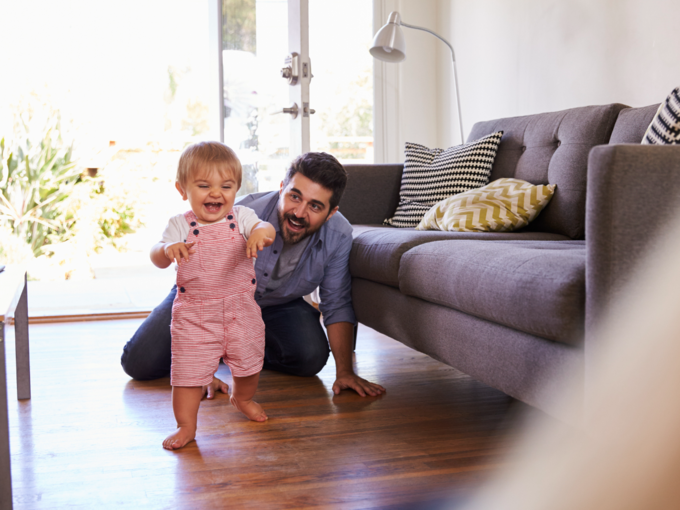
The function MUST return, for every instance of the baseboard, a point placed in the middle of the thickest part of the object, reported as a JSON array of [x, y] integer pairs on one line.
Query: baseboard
[[106, 316]]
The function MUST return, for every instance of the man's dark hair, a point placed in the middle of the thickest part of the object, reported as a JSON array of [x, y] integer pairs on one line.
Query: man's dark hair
[[323, 169]]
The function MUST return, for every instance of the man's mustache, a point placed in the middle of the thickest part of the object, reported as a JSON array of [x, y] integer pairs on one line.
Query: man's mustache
[[291, 216]]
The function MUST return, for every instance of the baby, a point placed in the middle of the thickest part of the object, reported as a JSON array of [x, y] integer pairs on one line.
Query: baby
[[214, 314]]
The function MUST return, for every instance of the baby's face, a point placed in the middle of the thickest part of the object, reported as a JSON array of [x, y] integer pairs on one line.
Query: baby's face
[[210, 193]]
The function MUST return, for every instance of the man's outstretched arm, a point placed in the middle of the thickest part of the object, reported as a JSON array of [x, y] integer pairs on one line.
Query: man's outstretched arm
[[341, 339], [338, 315]]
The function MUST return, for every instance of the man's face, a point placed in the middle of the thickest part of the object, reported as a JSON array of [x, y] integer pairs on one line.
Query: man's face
[[304, 206]]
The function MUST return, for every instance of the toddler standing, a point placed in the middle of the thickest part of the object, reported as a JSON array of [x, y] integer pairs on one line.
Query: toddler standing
[[214, 314]]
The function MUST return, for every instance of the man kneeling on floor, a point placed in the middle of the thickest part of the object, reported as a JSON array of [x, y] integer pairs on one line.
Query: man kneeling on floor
[[311, 249]]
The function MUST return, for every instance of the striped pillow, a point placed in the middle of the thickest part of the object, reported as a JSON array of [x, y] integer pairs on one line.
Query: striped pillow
[[502, 206], [431, 175], [665, 127]]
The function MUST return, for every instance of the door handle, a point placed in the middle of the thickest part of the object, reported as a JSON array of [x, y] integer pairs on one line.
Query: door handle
[[293, 110], [291, 72], [306, 110]]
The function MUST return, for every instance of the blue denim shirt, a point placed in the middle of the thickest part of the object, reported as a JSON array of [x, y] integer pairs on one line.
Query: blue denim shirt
[[323, 264]]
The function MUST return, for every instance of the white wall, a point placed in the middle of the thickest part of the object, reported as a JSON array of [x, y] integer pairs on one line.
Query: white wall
[[518, 57], [407, 103]]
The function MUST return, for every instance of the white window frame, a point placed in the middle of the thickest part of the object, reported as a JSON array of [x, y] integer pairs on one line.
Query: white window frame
[[386, 103]]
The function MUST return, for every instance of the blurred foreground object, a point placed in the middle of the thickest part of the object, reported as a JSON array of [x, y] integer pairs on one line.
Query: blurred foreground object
[[627, 456]]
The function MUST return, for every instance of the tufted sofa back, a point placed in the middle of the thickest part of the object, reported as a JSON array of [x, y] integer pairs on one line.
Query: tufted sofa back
[[552, 148]]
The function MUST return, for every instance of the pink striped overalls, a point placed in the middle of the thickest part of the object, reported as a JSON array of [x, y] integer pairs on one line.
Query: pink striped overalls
[[214, 314]]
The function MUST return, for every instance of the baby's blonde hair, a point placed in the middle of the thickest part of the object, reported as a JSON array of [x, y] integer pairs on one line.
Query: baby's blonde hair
[[211, 156]]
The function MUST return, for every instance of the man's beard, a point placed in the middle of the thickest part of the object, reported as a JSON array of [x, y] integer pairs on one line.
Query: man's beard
[[288, 236]]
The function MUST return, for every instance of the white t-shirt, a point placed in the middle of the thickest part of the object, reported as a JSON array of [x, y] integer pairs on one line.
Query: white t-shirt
[[178, 228]]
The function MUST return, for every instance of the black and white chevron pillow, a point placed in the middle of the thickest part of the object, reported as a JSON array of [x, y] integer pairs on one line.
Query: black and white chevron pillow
[[431, 175], [665, 127]]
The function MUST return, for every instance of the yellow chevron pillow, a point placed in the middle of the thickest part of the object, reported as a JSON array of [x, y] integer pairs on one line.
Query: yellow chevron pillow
[[501, 206]]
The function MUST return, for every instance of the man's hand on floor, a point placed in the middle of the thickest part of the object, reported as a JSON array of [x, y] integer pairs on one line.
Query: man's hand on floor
[[216, 385], [360, 385]]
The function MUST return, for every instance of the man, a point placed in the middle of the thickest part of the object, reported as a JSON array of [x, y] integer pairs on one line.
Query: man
[[311, 249]]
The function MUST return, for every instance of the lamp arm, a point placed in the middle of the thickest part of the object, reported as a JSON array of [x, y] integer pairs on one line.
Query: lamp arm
[[453, 55], [455, 72]]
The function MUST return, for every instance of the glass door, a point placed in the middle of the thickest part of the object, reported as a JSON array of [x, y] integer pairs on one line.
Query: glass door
[[277, 102], [254, 44], [113, 92], [340, 34]]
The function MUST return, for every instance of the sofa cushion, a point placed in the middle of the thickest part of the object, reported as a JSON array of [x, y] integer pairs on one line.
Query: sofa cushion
[[377, 251], [632, 123], [552, 148], [532, 286], [665, 127], [504, 205], [431, 175], [372, 192]]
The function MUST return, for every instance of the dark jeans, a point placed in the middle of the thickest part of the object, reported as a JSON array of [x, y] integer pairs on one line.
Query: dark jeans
[[295, 342]]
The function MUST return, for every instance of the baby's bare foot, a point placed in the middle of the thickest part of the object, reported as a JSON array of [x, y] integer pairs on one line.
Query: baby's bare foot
[[250, 409], [181, 437]]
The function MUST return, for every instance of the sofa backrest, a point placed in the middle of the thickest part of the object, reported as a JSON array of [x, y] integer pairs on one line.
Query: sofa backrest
[[552, 148], [372, 192], [632, 123]]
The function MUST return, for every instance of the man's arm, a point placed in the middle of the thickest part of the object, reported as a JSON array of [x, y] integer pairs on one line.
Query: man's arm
[[336, 307], [341, 338]]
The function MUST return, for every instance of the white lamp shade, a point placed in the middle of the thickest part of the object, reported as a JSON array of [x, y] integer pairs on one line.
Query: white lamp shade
[[388, 43]]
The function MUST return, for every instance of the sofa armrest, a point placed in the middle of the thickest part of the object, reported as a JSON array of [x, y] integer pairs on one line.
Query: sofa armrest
[[372, 193], [633, 193]]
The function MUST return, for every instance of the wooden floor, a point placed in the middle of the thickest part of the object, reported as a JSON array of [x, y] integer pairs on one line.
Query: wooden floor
[[91, 438]]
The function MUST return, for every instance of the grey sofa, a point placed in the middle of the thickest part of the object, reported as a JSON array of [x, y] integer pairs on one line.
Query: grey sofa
[[514, 310]]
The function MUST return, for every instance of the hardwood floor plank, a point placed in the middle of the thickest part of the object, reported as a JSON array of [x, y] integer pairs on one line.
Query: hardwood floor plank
[[91, 438]]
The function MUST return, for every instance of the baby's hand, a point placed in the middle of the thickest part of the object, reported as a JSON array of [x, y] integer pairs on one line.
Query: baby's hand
[[177, 252], [257, 241]]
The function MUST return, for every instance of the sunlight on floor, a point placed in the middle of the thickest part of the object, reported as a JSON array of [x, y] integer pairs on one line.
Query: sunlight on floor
[[90, 436]]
